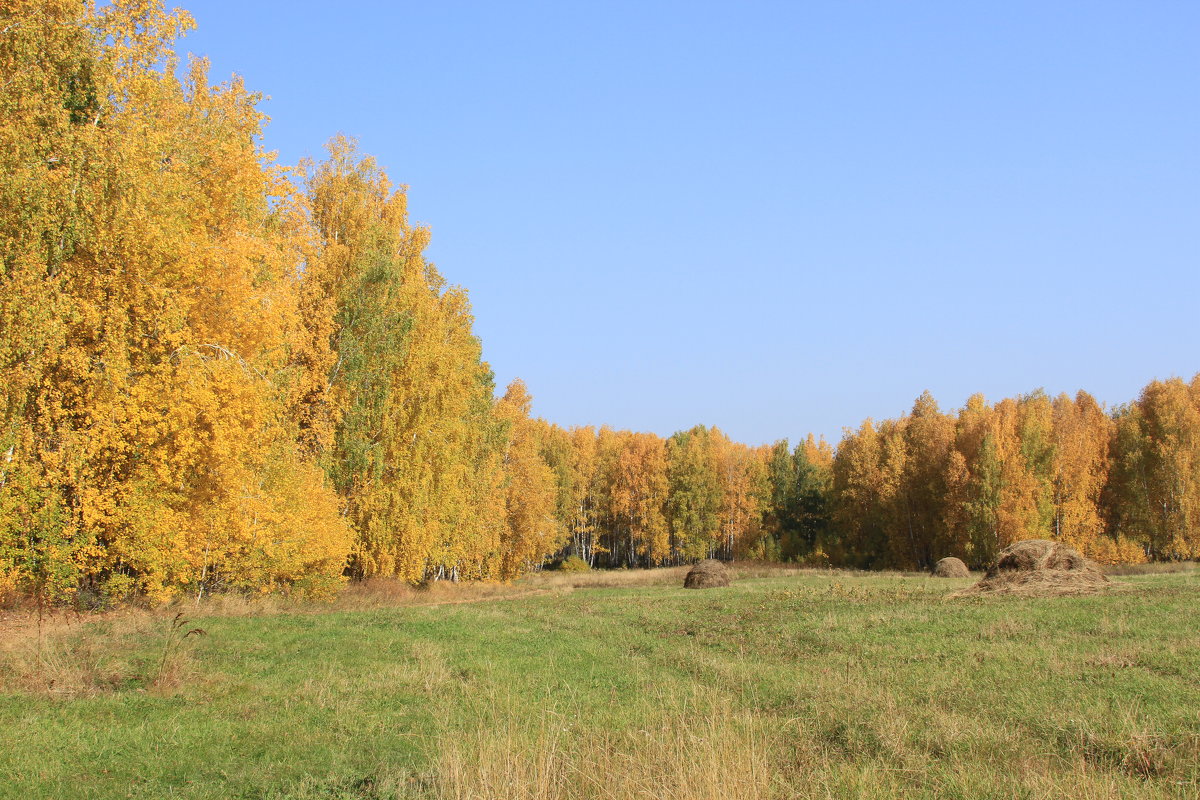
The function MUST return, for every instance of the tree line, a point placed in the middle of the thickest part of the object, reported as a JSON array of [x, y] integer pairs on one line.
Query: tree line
[[218, 372], [1120, 486]]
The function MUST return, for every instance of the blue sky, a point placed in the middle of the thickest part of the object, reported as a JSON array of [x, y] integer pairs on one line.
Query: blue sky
[[772, 217]]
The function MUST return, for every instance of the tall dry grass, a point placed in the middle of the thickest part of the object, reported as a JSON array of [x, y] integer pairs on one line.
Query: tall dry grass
[[387, 592], [704, 755], [74, 655]]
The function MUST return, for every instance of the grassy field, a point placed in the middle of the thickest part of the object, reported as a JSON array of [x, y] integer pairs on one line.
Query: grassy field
[[788, 684]]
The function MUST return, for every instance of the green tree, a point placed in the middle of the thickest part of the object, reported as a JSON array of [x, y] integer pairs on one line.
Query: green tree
[[417, 455], [807, 511], [694, 493], [1154, 492]]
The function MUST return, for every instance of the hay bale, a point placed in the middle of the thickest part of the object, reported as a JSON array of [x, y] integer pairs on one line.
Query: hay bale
[[951, 567], [708, 574], [1040, 567]]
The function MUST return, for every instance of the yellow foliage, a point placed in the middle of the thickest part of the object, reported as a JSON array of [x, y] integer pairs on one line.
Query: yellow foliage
[[1082, 432], [157, 296], [1107, 550], [533, 533], [417, 452], [639, 496]]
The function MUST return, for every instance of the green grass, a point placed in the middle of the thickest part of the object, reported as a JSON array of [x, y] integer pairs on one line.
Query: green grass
[[810, 685]]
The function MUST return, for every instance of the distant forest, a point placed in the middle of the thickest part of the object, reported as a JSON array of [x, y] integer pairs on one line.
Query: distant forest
[[218, 372]]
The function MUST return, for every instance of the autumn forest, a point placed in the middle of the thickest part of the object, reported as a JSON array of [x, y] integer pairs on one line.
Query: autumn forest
[[222, 373]]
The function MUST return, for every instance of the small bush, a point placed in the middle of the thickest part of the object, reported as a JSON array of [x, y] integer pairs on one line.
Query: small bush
[[574, 564]]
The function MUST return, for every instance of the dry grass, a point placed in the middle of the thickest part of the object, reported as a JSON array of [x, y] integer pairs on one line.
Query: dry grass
[[605, 579], [667, 576], [1044, 583], [387, 593], [1157, 568], [1040, 568], [767, 569], [83, 655], [712, 751], [364, 595], [702, 755]]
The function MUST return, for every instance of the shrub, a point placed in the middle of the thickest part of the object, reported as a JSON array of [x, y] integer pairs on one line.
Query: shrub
[[574, 564]]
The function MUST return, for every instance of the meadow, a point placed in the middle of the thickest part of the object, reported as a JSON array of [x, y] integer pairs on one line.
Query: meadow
[[789, 683]]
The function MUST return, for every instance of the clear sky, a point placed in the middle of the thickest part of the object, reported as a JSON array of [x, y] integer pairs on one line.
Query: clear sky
[[772, 217]]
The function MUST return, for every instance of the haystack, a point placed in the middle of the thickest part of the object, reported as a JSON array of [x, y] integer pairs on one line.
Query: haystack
[[951, 568], [1040, 567], [708, 574]]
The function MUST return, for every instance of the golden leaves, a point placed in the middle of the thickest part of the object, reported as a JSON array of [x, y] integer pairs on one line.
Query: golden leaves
[[168, 305]]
